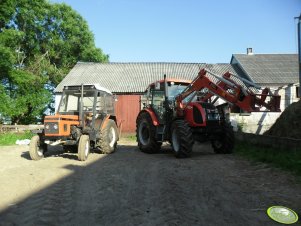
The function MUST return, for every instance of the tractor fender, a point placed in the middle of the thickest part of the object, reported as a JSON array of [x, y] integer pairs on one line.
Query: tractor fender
[[152, 115], [104, 122]]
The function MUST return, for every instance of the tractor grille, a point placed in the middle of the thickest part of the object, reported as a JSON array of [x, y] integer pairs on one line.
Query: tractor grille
[[51, 128]]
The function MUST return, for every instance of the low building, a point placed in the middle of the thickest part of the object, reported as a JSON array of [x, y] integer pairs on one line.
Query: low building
[[279, 72]]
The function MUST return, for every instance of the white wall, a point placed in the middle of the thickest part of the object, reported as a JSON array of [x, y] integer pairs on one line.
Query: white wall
[[259, 122]]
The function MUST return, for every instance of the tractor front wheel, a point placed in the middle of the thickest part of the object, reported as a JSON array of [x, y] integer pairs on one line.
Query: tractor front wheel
[[83, 147], [37, 148], [181, 139], [146, 134], [224, 143]]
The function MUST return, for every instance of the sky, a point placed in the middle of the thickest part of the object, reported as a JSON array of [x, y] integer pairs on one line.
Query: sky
[[192, 31]]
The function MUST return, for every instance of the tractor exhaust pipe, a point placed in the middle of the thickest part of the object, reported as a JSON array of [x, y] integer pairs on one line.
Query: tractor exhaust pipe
[[81, 115], [166, 105], [165, 86]]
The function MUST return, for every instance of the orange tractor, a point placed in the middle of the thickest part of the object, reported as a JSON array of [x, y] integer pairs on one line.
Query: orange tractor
[[182, 112], [85, 119]]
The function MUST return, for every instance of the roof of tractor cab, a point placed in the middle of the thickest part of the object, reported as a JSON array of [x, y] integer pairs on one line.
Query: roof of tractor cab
[[93, 86], [173, 80]]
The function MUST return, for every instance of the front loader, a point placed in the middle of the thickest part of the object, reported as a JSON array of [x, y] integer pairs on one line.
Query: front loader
[[182, 112], [85, 119]]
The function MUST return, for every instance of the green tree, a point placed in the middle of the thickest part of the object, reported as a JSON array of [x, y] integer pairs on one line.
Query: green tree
[[39, 43]]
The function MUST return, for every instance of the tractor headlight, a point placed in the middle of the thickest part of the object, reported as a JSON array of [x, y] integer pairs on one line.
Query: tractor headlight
[[55, 126]]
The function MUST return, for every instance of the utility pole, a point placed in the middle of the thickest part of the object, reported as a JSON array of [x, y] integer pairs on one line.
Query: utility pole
[[299, 52]]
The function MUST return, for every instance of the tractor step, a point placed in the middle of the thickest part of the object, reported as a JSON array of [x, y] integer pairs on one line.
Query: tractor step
[[160, 132]]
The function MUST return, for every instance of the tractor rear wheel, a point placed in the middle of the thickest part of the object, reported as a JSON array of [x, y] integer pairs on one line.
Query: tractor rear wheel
[[108, 138], [224, 143], [181, 139], [146, 134], [37, 148], [83, 147]]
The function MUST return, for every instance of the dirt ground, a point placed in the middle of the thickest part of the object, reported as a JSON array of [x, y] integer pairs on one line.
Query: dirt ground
[[133, 188]]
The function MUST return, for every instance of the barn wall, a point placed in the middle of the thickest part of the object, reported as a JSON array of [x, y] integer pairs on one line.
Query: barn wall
[[127, 108]]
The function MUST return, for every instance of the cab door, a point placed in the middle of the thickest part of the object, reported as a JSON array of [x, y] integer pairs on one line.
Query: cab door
[[157, 103]]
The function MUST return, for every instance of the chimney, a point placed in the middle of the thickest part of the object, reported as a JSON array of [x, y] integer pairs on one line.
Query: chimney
[[249, 51]]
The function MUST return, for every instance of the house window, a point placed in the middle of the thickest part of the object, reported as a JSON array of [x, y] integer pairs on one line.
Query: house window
[[297, 91]]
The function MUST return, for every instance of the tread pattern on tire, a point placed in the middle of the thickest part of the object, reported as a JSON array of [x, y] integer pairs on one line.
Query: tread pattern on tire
[[82, 147], [227, 139], [34, 147], [153, 146], [186, 141], [104, 141]]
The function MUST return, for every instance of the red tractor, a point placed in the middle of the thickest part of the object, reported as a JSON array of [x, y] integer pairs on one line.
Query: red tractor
[[181, 111]]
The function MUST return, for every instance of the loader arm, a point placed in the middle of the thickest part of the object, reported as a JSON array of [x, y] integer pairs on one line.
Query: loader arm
[[228, 88]]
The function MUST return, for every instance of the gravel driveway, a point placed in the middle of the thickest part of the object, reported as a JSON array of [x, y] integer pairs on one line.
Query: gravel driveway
[[133, 188]]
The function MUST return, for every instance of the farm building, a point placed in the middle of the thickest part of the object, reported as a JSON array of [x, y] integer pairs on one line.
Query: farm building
[[128, 81], [279, 72]]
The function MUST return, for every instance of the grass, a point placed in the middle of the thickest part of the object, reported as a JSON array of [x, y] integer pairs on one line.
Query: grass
[[11, 138], [129, 137], [284, 159]]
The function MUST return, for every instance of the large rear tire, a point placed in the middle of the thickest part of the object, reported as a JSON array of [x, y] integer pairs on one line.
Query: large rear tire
[[224, 143], [108, 138], [36, 148], [83, 147], [181, 139], [146, 134]]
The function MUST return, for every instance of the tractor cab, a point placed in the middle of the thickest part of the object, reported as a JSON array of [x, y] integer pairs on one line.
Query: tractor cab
[[90, 103], [161, 97]]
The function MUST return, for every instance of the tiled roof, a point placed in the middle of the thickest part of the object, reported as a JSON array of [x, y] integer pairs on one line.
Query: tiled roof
[[269, 68], [135, 77]]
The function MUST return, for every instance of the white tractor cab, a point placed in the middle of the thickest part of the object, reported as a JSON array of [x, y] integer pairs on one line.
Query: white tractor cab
[[85, 119]]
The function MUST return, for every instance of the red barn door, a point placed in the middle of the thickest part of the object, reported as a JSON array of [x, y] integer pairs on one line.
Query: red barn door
[[127, 108]]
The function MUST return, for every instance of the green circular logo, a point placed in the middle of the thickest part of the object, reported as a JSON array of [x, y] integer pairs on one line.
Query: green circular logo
[[282, 214]]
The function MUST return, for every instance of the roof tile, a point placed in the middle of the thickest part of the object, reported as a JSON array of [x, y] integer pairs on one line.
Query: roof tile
[[270, 68]]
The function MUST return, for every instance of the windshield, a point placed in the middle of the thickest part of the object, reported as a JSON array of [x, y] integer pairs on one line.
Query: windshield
[[71, 99], [175, 90]]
